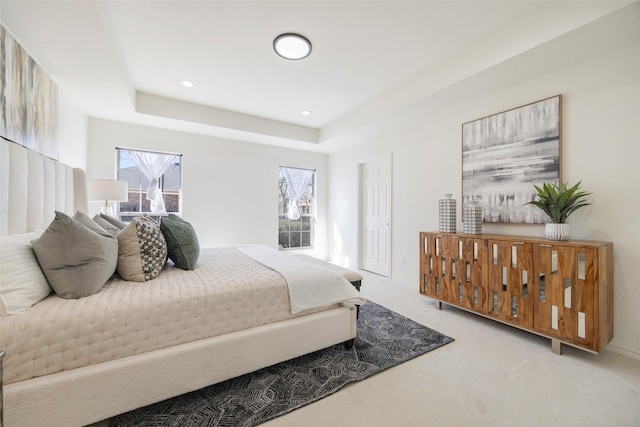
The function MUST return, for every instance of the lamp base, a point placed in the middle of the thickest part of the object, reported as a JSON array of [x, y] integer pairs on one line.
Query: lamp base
[[106, 210]]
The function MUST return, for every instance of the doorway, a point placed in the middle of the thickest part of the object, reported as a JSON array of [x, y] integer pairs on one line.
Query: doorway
[[375, 214]]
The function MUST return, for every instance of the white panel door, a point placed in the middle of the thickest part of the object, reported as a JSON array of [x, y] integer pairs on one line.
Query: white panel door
[[376, 212]]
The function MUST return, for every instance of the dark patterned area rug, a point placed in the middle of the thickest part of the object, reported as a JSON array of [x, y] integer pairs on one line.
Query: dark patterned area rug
[[385, 339]]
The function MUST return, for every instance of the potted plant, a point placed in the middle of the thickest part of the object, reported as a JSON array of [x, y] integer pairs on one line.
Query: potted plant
[[559, 201]]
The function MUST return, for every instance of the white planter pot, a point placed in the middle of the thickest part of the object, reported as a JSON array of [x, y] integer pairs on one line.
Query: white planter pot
[[553, 231]]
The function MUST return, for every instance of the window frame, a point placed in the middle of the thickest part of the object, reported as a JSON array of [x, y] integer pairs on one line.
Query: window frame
[[310, 213], [140, 192]]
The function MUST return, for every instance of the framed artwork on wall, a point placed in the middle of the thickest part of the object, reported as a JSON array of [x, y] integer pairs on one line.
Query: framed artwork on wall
[[504, 154], [28, 100]]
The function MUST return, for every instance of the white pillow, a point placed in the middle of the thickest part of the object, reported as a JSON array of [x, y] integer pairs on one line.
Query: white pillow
[[22, 282]]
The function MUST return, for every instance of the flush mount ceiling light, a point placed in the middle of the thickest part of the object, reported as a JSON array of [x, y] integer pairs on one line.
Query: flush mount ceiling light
[[186, 83], [292, 46]]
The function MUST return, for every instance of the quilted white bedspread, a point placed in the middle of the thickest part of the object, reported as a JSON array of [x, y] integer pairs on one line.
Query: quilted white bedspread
[[227, 292]]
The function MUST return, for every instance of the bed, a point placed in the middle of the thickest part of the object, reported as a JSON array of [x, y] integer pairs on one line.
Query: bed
[[75, 361]]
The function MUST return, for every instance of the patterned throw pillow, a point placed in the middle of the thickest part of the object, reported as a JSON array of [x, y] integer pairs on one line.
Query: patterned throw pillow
[[142, 250]]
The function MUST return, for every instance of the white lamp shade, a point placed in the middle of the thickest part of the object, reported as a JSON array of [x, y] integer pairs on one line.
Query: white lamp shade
[[104, 190]]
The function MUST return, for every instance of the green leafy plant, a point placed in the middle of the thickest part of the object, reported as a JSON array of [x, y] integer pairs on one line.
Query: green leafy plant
[[559, 201]]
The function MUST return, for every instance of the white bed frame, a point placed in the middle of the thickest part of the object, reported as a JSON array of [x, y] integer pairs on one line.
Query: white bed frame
[[31, 188]]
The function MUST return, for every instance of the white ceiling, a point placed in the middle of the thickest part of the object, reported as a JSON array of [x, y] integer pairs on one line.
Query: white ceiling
[[123, 60]]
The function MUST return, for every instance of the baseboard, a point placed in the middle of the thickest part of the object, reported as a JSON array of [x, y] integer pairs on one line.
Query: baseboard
[[405, 283], [623, 351]]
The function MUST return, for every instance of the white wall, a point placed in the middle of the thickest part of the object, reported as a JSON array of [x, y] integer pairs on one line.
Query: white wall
[[600, 146], [72, 132], [230, 188]]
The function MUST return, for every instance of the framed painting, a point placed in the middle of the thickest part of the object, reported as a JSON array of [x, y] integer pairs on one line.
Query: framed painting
[[28, 100], [505, 154]]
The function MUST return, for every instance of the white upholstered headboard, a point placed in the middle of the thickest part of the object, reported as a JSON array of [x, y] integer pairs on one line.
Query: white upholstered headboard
[[33, 187]]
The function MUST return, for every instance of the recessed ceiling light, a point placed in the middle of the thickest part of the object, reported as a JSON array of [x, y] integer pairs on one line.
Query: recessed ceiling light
[[292, 46], [186, 83], [305, 112]]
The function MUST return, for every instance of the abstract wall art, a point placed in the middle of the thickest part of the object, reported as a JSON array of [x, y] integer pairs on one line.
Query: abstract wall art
[[504, 154], [28, 99]]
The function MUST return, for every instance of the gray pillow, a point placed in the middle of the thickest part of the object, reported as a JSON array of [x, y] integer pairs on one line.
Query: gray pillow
[[112, 229], [182, 242], [113, 221], [91, 224], [76, 261], [142, 250]]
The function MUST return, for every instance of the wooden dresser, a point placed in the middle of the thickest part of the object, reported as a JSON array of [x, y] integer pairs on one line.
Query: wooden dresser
[[560, 290]]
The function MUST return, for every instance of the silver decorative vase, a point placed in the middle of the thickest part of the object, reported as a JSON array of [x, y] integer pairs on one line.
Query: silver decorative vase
[[447, 214], [472, 218], [555, 231]]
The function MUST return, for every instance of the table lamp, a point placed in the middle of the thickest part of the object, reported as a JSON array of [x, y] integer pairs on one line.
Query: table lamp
[[107, 190]]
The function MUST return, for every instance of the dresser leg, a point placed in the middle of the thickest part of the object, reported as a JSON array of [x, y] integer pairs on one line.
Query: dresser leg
[[1, 398], [556, 346], [438, 305]]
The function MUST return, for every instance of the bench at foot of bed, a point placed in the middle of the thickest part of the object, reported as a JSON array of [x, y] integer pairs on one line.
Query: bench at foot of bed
[[352, 276]]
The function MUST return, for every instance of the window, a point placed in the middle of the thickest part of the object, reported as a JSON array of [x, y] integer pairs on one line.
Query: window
[[296, 207], [169, 184]]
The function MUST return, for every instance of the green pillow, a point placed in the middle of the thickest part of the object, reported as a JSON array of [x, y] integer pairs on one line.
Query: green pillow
[[76, 261], [182, 242]]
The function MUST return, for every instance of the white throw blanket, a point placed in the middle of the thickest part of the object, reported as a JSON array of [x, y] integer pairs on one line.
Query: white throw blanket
[[310, 286]]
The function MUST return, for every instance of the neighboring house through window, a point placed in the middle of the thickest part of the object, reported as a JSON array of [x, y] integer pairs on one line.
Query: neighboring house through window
[[296, 207], [154, 180]]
